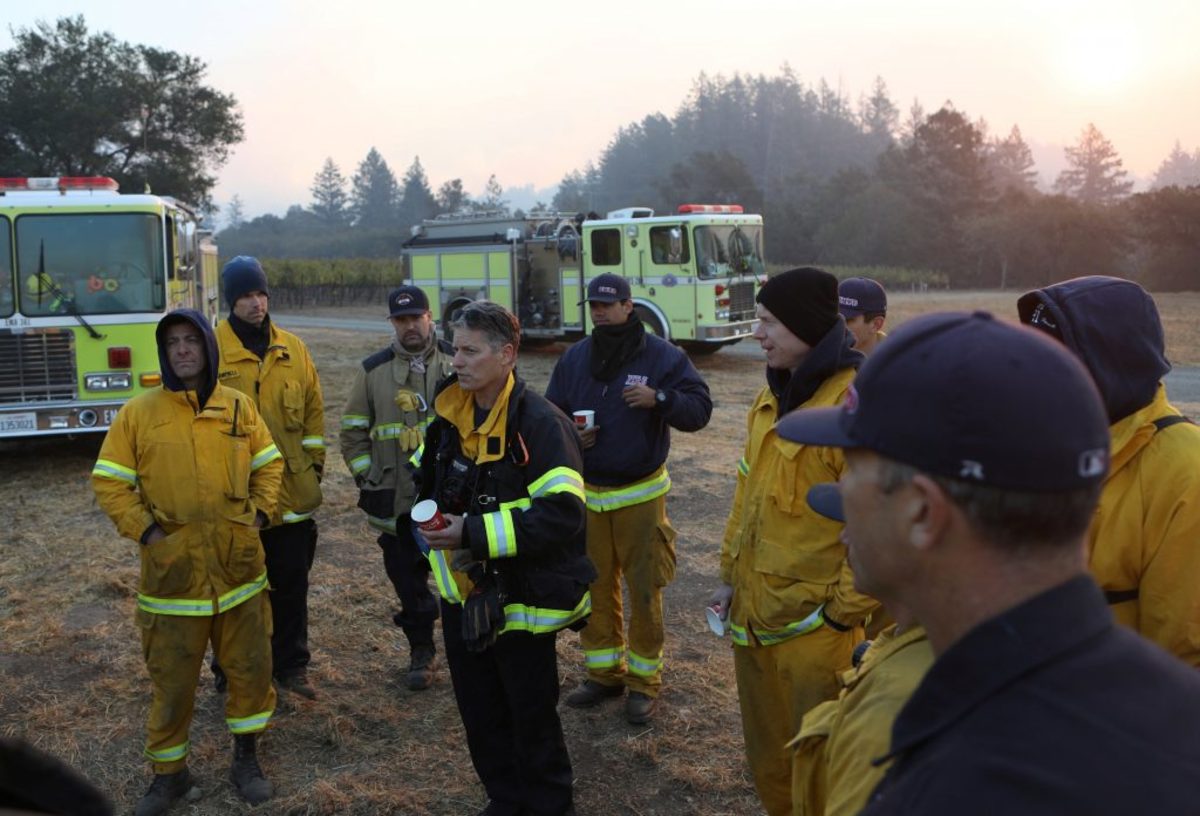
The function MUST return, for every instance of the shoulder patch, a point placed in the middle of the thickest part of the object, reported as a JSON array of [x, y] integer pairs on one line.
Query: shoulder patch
[[378, 358]]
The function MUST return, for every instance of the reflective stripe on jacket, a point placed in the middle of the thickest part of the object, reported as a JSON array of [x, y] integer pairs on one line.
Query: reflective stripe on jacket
[[374, 428], [287, 392], [1144, 539], [203, 481], [525, 521], [783, 560]]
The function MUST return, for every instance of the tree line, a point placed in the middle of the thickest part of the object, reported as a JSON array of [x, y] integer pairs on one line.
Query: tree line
[[848, 183], [838, 181]]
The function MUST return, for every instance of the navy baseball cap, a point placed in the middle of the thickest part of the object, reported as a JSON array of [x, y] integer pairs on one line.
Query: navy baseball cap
[[970, 397], [826, 499], [407, 300], [607, 288], [861, 296]]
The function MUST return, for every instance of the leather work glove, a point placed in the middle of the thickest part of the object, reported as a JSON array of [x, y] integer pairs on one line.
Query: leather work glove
[[483, 616], [412, 405]]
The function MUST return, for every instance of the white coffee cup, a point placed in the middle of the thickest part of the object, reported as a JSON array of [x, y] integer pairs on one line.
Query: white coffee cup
[[584, 419], [716, 623], [425, 514]]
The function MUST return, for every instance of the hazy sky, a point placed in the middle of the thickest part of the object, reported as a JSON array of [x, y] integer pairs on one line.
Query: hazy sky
[[530, 91]]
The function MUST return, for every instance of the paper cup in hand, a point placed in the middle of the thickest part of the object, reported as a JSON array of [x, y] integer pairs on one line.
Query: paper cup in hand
[[584, 419], [425, 514], [716, 623]]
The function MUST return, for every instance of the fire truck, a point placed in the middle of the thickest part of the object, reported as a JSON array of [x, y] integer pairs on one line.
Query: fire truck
[[693, 274], [85, 275]]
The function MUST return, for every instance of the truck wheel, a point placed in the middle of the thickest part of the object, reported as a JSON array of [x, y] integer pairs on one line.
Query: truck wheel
[[449, 316], [650, 321]]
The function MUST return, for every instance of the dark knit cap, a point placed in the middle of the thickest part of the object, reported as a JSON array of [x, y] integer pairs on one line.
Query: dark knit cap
[[241, 276], [805, 300]]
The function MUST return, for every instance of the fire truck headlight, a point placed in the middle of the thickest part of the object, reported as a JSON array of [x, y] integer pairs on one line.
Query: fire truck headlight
[[108, 382]]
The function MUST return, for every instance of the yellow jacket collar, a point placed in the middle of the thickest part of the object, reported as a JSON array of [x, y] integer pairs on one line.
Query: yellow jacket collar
[[457, 407]]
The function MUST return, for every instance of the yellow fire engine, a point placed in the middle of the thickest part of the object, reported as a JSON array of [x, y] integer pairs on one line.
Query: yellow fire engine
[[693, 274], [85, 275]]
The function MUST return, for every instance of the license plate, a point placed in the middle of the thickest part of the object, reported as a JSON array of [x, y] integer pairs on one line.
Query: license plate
[[13, 423]]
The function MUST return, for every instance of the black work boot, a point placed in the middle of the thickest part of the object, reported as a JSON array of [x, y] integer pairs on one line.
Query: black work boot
[[592, 693], [163, 792], [245, 774], [421, 666], [297, 683]]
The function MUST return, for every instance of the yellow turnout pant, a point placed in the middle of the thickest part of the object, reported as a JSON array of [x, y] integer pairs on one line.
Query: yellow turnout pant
[[174, 646], [637, 542], [776, 686]]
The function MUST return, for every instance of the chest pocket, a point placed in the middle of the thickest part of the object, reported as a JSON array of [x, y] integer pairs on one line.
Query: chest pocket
[[293, 406], [788, 490]]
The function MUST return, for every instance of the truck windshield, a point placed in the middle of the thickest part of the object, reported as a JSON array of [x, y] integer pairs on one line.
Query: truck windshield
[[90, 264], [7, 298], [728, 251]]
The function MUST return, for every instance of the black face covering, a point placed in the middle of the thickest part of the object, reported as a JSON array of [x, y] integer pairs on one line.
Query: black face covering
[[254, 338], [613, 346]]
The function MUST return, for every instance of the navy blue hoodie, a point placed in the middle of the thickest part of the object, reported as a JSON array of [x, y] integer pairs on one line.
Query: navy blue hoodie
[[1113, 326], [172, 382]]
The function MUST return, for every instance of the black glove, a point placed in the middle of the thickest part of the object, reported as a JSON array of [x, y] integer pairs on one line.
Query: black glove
[[483, 615]]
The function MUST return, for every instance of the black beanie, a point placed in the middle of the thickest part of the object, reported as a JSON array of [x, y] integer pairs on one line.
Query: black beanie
[[244, 275], [805, 300]]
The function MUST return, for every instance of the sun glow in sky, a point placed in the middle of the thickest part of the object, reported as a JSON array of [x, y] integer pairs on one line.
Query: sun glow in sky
[[532, 90], [1099, 60]]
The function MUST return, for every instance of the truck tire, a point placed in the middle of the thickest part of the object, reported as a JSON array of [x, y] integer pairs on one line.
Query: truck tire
[[650, 321], [450, 315]]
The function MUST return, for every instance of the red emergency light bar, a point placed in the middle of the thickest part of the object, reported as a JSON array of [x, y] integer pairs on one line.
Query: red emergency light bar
[[696, 209], [60, 183]]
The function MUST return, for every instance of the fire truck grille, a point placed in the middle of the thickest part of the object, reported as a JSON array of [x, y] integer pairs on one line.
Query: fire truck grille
[[37, 366], [741, 301]]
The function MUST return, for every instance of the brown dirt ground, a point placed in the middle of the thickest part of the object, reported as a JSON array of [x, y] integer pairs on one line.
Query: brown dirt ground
[[72, 680]]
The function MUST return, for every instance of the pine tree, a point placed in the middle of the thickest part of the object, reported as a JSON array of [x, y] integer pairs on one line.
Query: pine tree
[[375, 193], [416, 198], [493, 196], [329, 194], [1010, 163], [451, 197], [1095, 174], [1179, 169], [235, 214]]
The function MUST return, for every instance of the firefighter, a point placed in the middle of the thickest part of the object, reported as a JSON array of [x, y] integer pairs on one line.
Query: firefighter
[[863, 303], [975, 453], [639, 387], [787, 589], [274, 369], [504, 466], [1144, 543], [383, 424], [190, 473]]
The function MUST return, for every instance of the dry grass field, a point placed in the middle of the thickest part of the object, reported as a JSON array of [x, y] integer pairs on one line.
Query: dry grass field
[[72, 680]]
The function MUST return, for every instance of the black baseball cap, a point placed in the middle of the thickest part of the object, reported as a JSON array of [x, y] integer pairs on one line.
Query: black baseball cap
[[970, 397], [607, 288], [858, 296], [407, 300]]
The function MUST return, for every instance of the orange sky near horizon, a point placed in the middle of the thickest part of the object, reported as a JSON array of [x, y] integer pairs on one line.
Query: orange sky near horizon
[[531, 92]]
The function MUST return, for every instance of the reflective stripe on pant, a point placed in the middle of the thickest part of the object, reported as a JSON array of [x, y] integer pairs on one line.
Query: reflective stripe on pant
[[637, 542], [408, 570], [173, 647], [290, 549], [776, 686], [508, 698]]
